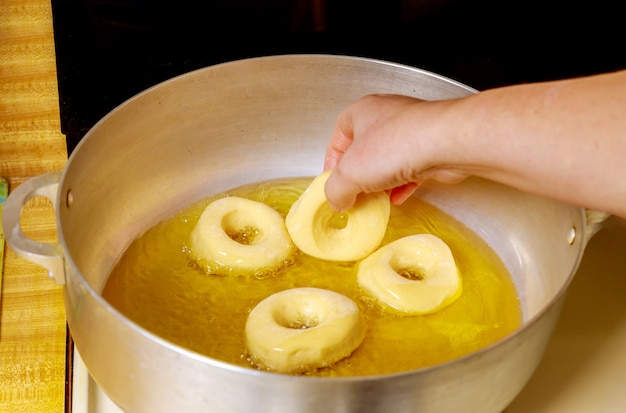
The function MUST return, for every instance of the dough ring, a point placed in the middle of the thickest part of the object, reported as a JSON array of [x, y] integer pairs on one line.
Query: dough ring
[[321, 232], [302, 329], [413, 275], [241, 236]]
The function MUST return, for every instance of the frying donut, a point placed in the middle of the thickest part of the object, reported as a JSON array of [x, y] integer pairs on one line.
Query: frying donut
[[413, 275], [303, 329], [240, 236], [320, 232]]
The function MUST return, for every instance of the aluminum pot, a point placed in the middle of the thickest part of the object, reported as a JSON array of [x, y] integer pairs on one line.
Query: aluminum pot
[[251, 120]]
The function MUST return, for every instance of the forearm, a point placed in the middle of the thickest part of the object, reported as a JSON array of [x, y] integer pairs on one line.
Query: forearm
[[565, 139]]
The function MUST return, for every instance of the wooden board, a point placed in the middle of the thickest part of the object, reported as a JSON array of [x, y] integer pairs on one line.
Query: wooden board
[[4, 191], [32, 317]]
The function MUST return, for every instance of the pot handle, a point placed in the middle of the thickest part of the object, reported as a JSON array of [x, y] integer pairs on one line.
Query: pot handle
[[48, 255], [594, 221]]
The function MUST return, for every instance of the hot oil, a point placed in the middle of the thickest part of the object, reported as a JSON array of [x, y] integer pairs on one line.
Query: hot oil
[[157, 285]]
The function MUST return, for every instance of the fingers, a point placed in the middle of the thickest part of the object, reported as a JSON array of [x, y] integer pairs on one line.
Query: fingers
[[337, 187], [340, 192], [339, 142], [402, 193], [342, 200], [364, 135]]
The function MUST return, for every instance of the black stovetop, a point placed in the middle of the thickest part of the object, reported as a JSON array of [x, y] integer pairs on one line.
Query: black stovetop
[[109, 50]]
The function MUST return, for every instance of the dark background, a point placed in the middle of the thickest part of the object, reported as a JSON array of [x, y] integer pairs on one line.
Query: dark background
[[109, 50]]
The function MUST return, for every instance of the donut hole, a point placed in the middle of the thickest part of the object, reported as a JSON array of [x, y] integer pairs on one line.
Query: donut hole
[[337, 220], [300, 315], [332, 229], [412, 274], [239, 230], [410, 271], [302, 324]]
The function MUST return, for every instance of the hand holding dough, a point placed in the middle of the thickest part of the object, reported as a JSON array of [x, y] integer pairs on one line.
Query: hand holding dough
[[321, 232]]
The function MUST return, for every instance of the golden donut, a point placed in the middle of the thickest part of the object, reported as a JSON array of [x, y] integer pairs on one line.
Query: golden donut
[[413, 275], [319, 231], [303, 329], [240, 236]]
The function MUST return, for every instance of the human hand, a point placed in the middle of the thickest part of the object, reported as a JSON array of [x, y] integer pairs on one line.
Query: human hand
[[386, 143], [561, 139]]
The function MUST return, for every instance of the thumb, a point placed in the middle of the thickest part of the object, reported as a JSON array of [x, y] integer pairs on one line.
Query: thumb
[[340, 192]]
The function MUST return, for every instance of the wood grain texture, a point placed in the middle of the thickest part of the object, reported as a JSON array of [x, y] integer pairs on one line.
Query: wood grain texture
[[31, 141], [32, 317]]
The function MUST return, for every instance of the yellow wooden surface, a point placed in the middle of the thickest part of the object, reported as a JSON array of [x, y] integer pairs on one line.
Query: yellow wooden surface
[[32, 320]]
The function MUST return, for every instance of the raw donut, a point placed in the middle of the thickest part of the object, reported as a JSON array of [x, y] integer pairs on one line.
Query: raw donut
[[414, 275], [302, 329], [241, 236], [321, 232]]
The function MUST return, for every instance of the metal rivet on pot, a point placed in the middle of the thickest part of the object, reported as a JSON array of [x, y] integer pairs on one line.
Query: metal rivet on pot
[[69, 198], [571, 236]]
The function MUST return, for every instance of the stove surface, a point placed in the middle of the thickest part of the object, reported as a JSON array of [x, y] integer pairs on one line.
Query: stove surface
[[87, 396]]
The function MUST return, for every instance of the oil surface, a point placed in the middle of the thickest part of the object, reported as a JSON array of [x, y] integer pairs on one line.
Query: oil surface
[[160, 287]]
